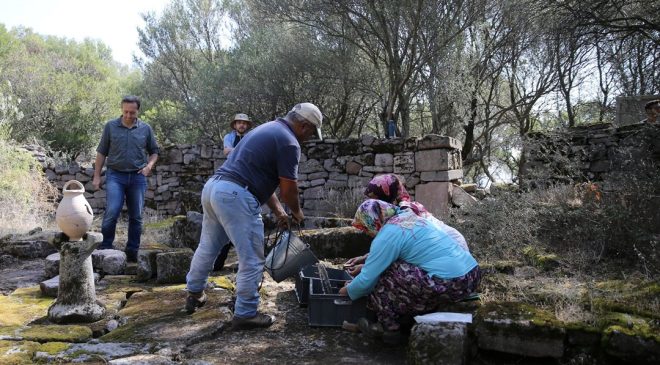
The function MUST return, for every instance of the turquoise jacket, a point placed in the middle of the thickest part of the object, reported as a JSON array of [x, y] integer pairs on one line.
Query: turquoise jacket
[[423, 245]]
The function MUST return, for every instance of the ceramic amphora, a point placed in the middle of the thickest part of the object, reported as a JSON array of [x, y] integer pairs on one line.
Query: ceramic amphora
[[74, 214]]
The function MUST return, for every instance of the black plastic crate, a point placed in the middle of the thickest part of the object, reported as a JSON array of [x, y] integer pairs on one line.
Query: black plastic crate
[[312, 272], [331, 310]]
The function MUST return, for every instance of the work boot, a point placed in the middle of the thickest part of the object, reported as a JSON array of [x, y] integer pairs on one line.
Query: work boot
[[370, 329], [194, 301], [259, 321]]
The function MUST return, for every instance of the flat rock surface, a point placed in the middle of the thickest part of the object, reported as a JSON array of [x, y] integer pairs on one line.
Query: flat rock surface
[[20, 274]]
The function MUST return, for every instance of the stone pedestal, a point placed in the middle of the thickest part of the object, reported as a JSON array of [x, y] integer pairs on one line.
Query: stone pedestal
[[76, 299]]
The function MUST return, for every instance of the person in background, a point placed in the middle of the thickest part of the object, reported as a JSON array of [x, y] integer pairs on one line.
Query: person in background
[[390, 188], [239, 127], [412, 268], [266, 158], [128, 147], [652, 109]]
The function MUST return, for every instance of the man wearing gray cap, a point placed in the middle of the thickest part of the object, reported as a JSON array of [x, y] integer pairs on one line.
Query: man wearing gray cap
[[266, 158]]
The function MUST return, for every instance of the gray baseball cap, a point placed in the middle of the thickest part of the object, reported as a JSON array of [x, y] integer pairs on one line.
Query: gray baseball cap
[[312, 113]]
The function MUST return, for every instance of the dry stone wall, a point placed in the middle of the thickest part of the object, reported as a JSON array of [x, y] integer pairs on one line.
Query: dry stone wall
[[331, 173], [598, 152]]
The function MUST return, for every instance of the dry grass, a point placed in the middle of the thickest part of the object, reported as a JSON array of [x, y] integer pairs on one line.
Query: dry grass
[[26, 196]]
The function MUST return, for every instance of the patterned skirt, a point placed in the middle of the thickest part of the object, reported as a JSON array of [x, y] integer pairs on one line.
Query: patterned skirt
[[405, 289]]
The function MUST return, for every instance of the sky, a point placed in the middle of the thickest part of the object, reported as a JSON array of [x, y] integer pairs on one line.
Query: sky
[[114, 22]]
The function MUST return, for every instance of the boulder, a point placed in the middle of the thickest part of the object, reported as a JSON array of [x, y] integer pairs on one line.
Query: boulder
[[28, 246], [173, 266], [438, 344], [109, 261], [52, 265], [146, 264], [186, 232], [519, 329], [461, 198]]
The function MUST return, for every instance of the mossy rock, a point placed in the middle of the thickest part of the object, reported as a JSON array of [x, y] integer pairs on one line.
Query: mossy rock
[[636, 344], [56, 333], [541, 259], [631, 325], [23, 306], [53, 348], [157, 315], [17, 352], [520, 329], [626, 296]]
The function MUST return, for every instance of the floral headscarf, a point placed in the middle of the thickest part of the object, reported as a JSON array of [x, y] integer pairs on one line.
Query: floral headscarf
[[373, 214], [390, 188]]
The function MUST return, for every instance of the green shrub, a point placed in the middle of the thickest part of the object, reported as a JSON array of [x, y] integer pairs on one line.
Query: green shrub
[[26, 196]]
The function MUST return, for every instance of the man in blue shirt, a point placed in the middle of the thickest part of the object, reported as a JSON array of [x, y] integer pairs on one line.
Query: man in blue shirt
[[239, 127], [266, 158], [129, 148]]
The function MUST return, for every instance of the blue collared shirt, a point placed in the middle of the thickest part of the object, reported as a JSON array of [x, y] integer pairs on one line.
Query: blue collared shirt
[[127, 149]]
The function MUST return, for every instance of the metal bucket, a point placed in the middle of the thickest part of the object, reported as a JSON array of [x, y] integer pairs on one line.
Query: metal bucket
[[288, 257]]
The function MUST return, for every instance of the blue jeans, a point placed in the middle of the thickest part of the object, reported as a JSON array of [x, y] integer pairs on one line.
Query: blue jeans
[[231, 213], [120, 185]]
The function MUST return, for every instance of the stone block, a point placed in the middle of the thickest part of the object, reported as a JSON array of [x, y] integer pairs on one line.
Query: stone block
[[433, 160], [435, 196], [353, 168], [186, 232], [515, 329], [49, 287], [317, 175], [336, 184], [82, 177], [338, 176], [314, 193], [441, 175], [206, 151], [52, 265], [173, 266], [384, 159], [28, 248], [434, 141], [109, 261], [332, 165], [404, 163], [378, 169], [310, 166], [189, 158], [461, 198], [438, 344], [317, 182], [100, 194], [623, 344], [337, 242], [146, 265]]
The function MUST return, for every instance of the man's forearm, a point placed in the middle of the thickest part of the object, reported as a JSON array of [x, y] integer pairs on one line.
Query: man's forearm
[[275, 206], [98, 164], [152, 160], [291, 200]]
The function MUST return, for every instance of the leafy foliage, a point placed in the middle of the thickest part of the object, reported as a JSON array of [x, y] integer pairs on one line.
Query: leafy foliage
[[63, 90]]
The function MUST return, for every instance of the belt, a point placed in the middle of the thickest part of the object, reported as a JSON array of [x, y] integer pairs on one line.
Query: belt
[[233, 180]]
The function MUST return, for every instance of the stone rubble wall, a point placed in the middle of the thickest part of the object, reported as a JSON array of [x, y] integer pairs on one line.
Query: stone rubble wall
[[330, 171], [599, 152]]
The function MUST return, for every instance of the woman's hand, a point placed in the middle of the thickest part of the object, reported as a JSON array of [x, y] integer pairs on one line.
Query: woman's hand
[[355, 260], [355, 270], [344, 289]]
